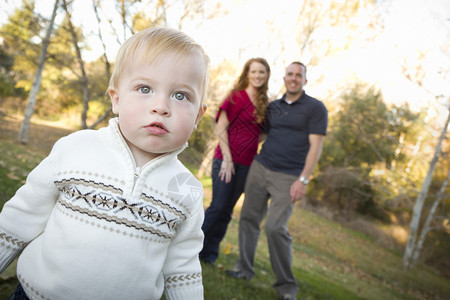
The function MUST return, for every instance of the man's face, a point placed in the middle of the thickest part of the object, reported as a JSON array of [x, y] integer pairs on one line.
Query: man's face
[[295, 79]]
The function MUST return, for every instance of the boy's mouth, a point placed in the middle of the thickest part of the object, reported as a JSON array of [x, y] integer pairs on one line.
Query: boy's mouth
[[156, 128]]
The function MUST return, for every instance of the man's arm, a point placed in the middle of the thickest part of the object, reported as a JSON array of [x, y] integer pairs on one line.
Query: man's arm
[[298, 188]]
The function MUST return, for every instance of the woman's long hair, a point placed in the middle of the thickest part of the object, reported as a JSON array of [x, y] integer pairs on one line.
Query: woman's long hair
[[262, 100]]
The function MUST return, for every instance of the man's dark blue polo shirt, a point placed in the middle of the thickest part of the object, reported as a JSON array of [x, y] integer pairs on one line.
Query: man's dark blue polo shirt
[[287, 128]]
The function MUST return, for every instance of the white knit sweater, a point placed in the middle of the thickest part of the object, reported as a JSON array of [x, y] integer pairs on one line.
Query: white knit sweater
[[93, 226]]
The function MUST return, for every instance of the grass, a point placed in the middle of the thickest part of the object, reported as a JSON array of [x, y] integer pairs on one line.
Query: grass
[[330, 260], [16, 162]]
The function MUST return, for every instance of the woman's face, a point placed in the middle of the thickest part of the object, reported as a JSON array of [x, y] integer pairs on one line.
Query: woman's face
[[257, 75]]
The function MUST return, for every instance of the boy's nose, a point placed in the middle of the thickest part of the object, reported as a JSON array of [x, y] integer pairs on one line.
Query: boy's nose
[[161, 106]]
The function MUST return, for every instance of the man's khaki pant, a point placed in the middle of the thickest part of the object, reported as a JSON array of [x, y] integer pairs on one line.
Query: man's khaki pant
[[263, 184]]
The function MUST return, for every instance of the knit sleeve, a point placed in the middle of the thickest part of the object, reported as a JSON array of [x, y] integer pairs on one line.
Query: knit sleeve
[[25, 215], [182, 269]]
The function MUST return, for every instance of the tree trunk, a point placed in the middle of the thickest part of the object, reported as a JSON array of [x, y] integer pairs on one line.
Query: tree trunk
[[417, 210], [105, 57], [103, 117], [25, 126], [426, 227], [84, 79], [206, 165], [108, 112]]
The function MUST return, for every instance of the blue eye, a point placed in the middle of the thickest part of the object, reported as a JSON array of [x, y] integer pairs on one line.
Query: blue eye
[[144, 89], [180, 96]]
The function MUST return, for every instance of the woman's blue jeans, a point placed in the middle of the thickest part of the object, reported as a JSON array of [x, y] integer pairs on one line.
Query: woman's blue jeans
[[19, 294], [218, 214]]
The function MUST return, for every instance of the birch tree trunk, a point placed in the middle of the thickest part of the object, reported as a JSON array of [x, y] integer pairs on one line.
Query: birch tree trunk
[[426, 227], [417, 210], [31, 102], [84, 79]]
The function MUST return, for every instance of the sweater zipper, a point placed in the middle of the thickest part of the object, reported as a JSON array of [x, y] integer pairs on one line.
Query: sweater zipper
[[137, 173]]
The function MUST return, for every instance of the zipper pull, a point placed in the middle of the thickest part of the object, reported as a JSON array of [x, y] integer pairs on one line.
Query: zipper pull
[[137, 172]]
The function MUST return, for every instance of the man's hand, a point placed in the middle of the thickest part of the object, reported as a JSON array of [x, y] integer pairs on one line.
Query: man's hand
[[298, 190]]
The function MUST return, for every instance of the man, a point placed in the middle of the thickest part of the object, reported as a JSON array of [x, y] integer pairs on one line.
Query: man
[[295, 129]]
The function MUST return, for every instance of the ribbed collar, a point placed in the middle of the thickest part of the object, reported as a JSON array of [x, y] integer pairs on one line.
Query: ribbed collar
[[119, 142]]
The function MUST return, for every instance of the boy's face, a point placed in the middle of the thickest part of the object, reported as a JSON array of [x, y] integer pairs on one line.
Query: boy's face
[[158, 104]]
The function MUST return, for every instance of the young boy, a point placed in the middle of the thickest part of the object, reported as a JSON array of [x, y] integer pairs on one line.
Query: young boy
[[112, 213]]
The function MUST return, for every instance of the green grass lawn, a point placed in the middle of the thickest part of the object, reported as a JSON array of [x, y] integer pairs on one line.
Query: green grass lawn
[[330, 261]]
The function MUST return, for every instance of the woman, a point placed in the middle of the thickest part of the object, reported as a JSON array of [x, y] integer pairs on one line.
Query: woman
[[239, 122]]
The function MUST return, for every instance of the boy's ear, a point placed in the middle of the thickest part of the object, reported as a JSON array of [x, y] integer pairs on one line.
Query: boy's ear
[[201, 112], [114, 95]]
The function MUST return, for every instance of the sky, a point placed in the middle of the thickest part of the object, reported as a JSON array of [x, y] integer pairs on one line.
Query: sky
[[253, 28]]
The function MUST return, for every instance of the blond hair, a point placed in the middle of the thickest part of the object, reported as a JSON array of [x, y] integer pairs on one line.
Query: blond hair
[[152, 44]]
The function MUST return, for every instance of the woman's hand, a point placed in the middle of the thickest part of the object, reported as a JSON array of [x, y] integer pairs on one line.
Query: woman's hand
[[226, 170]]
